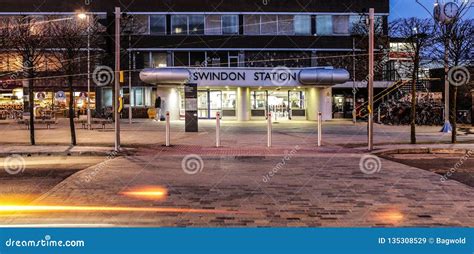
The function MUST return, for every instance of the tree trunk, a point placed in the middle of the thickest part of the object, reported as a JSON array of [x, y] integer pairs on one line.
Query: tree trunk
[[453, 115], [30, 105], [31, 109], [71, 111]]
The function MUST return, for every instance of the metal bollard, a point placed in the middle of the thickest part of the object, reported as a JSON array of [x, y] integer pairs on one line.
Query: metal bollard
[[269, 130], [167, 128], [218, 129], [320, 128]]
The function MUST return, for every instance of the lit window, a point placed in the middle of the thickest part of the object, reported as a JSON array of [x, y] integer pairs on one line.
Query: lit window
[[230, 24], [196, 24], [324, 25], [179, 24], [302, 24]]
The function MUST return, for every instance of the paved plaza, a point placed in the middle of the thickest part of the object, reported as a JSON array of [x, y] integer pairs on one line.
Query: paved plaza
[[244, 183]]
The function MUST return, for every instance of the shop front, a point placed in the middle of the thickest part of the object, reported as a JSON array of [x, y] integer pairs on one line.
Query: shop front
[[47, 102], [248, 93]]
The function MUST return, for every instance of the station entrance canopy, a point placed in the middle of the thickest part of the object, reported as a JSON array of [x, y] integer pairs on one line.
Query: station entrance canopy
[[245, 76]]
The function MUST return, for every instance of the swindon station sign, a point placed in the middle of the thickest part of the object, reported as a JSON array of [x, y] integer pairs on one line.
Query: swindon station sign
[[245, 76]]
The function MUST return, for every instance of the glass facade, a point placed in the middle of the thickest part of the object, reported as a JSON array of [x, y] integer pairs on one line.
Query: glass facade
[[324, 25], [230, 24], [158, 24], [179, 24], [302, 24]]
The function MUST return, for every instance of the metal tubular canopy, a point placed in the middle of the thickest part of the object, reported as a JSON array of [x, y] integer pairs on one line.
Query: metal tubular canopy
[[323, 76], [165, 75]]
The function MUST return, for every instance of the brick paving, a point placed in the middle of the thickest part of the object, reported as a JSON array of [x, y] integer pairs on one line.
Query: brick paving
[[311, 186], [318, 190]]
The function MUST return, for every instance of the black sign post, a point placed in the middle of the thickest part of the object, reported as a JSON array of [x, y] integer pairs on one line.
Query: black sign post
[[190, 103]]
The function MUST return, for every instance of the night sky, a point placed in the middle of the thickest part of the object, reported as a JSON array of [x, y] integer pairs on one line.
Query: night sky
[[410, 8]]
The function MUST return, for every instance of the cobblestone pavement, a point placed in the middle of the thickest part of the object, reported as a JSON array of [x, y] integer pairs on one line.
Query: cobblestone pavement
[[244, 183], [307, 188]]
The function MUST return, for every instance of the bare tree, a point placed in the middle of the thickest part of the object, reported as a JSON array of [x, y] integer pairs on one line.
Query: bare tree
[[460, 35], [71, 37], [417, 34], [24, 37]]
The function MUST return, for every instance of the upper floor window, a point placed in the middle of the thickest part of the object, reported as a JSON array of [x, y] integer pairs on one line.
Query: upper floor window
[[230, 24], [179, 24], [157, 24], [324, 25], [222, 24], [277, 24], [302, 24], [196, 24], [252, 24], [187, 24]]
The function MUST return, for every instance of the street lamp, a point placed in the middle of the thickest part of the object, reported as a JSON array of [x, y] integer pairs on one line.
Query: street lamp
[[84, 16]]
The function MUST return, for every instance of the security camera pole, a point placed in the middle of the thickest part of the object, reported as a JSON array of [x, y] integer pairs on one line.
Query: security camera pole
[[370, 84], [117, 79]]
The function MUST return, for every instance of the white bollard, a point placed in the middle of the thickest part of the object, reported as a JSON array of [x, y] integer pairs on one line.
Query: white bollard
[[320, 128], [218, 129], [269, 130], [167, 128]]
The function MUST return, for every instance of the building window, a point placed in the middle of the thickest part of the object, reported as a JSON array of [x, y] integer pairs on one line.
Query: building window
[[197, 59], [228, 99], [213, 25], [252, 24], [302, 24], [139, 25], [230, 24], [181, 58], [179, 24], [324, 25], [141, 96], [157, 24], [340, 24], [196, 24], [159, 59], [286, 25], [268, 24], [146, 60]]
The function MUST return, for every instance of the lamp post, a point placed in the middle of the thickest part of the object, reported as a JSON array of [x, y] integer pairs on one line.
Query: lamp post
[[370, 85], [118, 14], [86, 17]]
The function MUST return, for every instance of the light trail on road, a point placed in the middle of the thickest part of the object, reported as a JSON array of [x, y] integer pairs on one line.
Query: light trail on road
[[70, 208]]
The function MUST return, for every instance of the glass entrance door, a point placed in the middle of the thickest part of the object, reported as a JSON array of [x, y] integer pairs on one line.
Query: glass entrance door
[[278, 104], [215, 103], [203, 104], [209, 103]]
